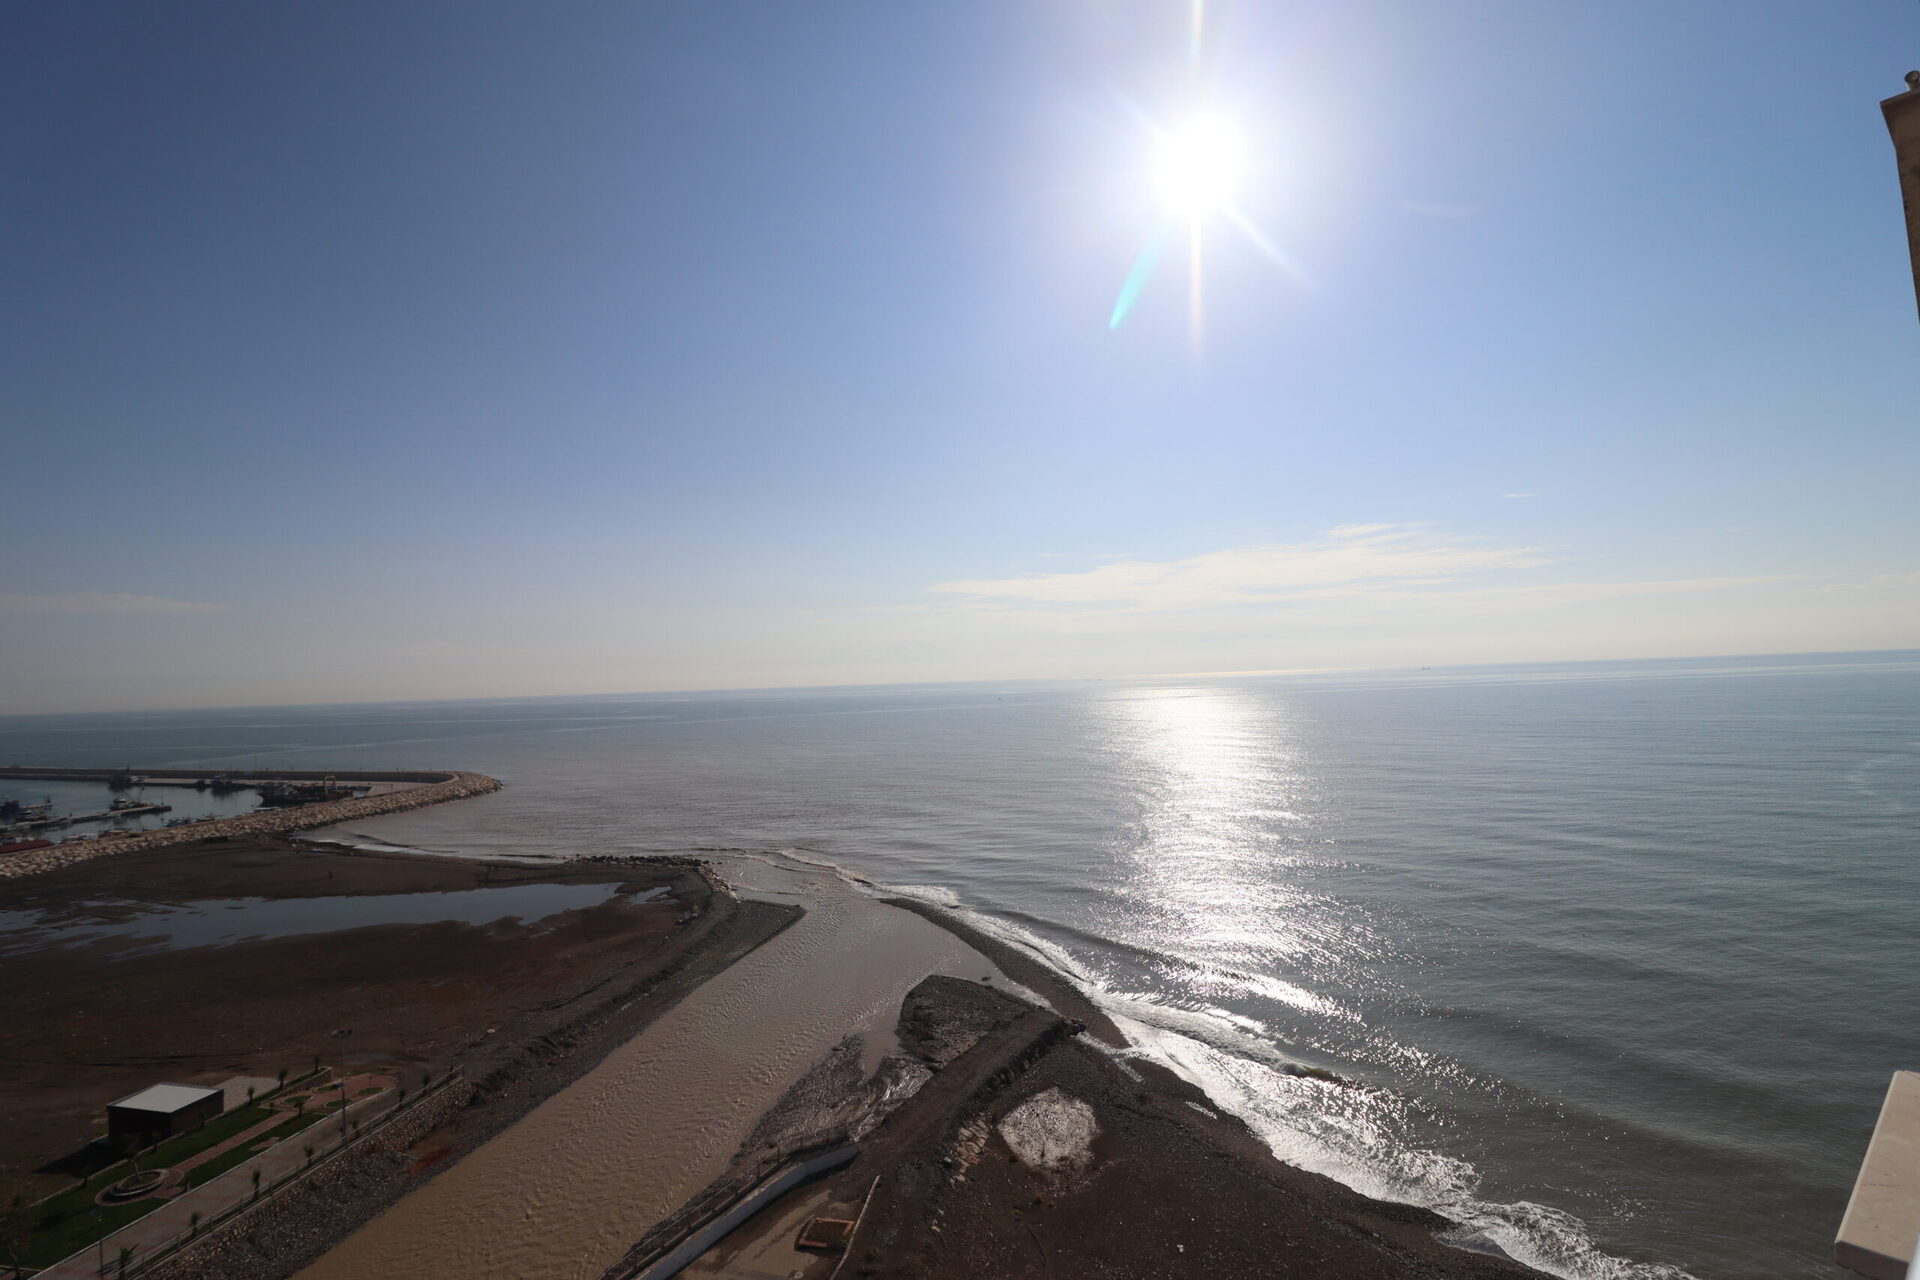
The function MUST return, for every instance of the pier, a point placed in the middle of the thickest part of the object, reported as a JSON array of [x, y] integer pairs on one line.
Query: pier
[[75, 819], [124, 778], [1877, 1237]]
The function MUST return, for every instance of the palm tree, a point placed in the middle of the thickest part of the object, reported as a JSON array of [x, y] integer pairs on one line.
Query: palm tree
[[309, 1150], [126, 1255], [256, 1184], [15, 1229], [193, 1224]]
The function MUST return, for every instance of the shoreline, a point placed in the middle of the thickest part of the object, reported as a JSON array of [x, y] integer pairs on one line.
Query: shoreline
[[1096, 1029], [1164, 1183], [1167, 1147], [432, 787]]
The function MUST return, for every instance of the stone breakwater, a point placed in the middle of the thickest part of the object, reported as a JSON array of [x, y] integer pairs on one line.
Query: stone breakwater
[[325, 813]]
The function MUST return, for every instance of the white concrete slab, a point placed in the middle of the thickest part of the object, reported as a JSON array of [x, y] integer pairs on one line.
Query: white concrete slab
[[1883, 1218]]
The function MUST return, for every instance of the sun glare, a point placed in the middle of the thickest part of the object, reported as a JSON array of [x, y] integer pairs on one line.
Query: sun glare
[[1201, 163]]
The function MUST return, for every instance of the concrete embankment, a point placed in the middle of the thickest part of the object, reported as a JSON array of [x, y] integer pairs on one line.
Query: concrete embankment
[[432, 788]]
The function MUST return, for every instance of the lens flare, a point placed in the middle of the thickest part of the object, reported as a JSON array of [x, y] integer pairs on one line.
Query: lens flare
[[1200, 166]]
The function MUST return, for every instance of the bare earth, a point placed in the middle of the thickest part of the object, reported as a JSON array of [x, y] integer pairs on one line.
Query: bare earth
[[86, 1024], [997, 1137]]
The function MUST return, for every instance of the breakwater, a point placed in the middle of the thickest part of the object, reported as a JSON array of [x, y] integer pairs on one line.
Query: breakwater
[[428, 788]]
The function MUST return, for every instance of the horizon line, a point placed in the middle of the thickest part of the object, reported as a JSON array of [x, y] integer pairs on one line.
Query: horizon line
[[1246, 673]]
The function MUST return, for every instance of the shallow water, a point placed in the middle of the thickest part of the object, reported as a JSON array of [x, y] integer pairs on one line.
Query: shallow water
[[70, 797], [1622, 950], [212, 922]]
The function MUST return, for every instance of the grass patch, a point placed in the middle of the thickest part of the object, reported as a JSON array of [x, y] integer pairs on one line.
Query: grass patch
[[211, 1134], [245, 1151], [67, 1223], [221, 1163], [71, 1220]]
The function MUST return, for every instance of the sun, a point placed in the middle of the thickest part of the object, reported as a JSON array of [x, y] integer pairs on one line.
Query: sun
[[1200, 165]]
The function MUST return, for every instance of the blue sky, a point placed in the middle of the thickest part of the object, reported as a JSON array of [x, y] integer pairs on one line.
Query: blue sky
[[354, 351]]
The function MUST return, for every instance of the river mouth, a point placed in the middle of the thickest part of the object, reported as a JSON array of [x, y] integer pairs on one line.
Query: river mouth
[[564, 1192]]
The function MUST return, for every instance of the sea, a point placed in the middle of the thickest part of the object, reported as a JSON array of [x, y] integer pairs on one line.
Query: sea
[[1612, 962]]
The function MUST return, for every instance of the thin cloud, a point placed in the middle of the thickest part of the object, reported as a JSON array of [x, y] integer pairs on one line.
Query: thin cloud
[[1357, 558], [103, 602], [1550, 595], [1517, 495], [1901, 581], [461, 649]]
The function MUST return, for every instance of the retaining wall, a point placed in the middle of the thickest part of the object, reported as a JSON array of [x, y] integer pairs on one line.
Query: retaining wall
[[275, 1212]]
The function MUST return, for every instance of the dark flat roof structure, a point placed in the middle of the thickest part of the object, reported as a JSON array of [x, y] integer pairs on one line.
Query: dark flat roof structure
[[163, 1109], [1903, 122]]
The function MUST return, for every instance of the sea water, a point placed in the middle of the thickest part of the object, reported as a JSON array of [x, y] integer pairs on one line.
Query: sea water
[[1614, 959]]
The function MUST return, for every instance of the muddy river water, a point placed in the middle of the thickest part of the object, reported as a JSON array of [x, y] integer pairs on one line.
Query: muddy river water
[[564, 1192]]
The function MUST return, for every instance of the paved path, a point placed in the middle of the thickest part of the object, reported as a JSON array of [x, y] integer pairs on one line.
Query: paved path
[[235, 1186]]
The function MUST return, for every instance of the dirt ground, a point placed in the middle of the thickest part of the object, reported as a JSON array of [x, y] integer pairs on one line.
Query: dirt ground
[[89, 1023], [1162, 1186]]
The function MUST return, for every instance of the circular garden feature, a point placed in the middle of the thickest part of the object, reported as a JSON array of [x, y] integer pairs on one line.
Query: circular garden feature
[[135, 1185]]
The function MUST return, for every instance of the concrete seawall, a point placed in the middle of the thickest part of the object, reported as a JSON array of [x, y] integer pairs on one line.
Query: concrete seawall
[[435, 788]]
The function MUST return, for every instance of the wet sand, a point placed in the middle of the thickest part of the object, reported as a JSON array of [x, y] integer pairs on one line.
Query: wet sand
[[567, 1190], [1157, 1183], [616, 1083], [1033, 1152]]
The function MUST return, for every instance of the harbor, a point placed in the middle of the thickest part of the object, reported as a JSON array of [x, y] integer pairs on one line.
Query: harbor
[[17, 818], [55, 814]]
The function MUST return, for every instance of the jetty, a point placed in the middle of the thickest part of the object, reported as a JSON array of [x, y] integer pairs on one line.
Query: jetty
[[1877, 1237], [118, 809], [336, 796]]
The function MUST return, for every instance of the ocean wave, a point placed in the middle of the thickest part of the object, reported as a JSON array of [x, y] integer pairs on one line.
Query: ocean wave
[[1324, 1126], [1316, 1125]]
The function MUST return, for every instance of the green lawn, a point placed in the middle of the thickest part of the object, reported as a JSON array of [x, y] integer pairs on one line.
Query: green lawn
[[67, 1223], [245, 1151], [71, 1219], [211, 1134]]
